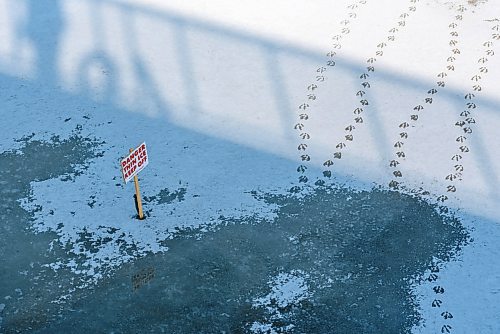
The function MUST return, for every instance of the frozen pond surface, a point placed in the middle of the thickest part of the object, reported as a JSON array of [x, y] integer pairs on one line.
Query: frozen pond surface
[[247, 107], [23, 253], [332, 260]]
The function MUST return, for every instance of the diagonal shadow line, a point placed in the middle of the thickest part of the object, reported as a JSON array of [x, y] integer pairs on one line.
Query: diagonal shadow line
[[274, 47], [279, 88], [288, 48], [140, 69]]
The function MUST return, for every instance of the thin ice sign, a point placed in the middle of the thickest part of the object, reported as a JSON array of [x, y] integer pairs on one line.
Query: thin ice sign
[[134, 162]]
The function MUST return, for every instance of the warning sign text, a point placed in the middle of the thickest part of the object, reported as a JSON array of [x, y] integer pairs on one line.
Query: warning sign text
[[134, 162]]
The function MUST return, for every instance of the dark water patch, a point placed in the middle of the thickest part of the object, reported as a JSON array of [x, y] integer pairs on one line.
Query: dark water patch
[[166, 196], [26, 285], [357, 252]]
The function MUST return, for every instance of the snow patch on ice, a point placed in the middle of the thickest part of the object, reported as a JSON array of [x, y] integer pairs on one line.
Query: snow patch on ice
[[287, 290]]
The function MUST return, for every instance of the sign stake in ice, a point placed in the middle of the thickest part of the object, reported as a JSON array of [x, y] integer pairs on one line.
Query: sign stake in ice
[[131, 165]]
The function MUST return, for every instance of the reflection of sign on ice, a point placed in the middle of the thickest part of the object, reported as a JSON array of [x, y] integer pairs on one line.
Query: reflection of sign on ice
[[134, 162]]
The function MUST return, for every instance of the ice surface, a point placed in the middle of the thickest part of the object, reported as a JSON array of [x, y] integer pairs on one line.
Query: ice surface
[[247, 107], [336, 258]]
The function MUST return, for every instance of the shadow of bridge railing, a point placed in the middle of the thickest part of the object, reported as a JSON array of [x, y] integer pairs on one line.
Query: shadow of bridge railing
[[199, 75]]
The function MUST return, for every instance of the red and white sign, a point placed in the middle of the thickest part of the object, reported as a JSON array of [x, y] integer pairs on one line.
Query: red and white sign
[[134, 162]]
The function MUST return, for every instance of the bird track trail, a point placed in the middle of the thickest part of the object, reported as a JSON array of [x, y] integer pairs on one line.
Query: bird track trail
[[465, 122], [363, 103], [427, 101], [319, 80]]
